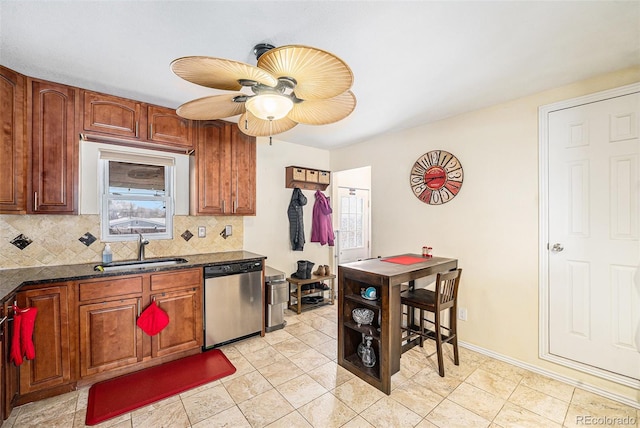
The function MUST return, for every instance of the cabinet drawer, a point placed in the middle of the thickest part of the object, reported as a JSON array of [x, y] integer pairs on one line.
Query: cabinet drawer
[[176, 279], [114, 287]]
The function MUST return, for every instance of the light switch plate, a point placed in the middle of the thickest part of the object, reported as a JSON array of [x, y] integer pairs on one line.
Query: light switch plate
[[202, 231], [228, 230]]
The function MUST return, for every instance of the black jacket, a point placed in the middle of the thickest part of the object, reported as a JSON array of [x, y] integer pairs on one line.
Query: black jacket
[[296, 226]]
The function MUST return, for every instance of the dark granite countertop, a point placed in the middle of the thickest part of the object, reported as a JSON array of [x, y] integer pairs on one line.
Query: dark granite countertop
[[12, 279]]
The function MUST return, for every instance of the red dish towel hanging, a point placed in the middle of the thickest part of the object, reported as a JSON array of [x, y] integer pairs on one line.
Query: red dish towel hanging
[[24, 321], [16, 354], [153, 319]]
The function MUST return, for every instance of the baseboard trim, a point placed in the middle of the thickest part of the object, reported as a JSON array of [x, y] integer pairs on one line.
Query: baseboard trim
[[571, 381]]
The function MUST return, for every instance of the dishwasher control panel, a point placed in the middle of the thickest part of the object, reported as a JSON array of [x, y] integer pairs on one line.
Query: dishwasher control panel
[[232, 268]]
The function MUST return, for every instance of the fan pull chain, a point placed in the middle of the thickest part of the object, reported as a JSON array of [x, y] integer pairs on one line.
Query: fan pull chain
[[270, 129]]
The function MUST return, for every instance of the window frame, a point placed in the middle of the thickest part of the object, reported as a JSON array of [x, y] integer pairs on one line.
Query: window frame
[[106, 156]]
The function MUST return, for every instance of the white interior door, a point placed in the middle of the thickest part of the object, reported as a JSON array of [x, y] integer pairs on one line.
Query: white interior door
[[593, 247], [353, 225]]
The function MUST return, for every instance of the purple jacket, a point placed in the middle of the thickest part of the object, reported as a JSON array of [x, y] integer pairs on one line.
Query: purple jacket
[[321, 227]]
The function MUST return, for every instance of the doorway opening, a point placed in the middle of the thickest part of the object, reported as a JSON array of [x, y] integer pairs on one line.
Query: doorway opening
[[352, 219]]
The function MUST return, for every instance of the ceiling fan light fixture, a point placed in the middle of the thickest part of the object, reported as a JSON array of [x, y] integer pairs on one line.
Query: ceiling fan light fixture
[[269, 106]]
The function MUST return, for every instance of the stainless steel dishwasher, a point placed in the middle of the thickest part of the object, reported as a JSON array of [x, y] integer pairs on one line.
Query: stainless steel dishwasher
[[233, 302]]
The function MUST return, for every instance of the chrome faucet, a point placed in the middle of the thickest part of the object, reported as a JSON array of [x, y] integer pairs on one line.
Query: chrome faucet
[[141, 244]]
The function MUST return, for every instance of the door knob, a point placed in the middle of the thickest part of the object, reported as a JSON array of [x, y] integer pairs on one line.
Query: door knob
[[557, 247]]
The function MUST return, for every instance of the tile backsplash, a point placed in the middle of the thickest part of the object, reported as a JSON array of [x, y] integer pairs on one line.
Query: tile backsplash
[[59, 240]]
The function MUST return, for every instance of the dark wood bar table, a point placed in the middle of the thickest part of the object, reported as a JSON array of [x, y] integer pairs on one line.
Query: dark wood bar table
[[385, 275]]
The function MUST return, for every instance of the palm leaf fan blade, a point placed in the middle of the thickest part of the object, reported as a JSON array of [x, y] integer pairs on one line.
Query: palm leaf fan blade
[[219, 73], [323, 112], [318, 74], [214, 107]]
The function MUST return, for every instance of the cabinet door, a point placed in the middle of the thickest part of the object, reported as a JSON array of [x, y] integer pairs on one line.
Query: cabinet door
[[52, 365], [109, 336], [10, 384], [212, 185], [184, 330], [12, 152], [167, 128], [243, 170], [179, 293], [113, 116], [3, 363], [54, 148]]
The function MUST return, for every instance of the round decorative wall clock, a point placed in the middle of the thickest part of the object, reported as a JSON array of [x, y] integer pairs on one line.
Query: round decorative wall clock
[[436, 177]]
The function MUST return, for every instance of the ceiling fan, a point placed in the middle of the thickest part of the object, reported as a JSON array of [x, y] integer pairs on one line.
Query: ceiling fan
[[290, 85]]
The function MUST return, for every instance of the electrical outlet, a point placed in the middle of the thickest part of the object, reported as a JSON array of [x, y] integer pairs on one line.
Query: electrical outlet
[[462, 314], [202, 231], [228, 230]]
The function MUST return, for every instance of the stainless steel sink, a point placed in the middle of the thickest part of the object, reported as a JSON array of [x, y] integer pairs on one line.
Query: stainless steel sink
[[139, 264]]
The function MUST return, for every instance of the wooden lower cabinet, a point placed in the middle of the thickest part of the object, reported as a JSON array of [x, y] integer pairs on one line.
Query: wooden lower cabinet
[[52, 365], [86, 331], [3, 364], [179, 294], [184, 331], [10, 377], [109, 336], [110, 341]]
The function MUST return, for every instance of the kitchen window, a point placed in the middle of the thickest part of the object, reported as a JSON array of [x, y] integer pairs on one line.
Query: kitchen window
[[137, 196]]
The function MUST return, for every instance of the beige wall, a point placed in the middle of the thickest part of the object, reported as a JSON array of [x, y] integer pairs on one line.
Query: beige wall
[[491, 226], [268, 232]]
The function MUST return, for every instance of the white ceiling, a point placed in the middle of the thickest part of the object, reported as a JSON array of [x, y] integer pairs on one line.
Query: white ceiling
[[414, 62]]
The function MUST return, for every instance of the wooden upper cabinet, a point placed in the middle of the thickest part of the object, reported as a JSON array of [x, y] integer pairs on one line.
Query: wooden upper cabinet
[[51, 109], [223, 170], [166, 127], [121, 118], [210, 165], [113, 116], [13, 153], [243, 172]]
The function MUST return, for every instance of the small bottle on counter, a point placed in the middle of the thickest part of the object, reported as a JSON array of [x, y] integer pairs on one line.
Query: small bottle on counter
[[107, 255]]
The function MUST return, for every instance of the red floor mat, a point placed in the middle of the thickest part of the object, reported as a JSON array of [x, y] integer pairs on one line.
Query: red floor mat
[[114, 397]]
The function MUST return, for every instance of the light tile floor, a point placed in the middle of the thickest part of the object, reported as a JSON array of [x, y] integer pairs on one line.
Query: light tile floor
[[290, 378]]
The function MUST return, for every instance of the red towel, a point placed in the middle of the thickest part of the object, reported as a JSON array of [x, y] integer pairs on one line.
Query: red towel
[[153, 319]]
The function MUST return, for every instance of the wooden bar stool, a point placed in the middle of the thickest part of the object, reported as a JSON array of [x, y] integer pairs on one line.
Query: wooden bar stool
[[445, 297]]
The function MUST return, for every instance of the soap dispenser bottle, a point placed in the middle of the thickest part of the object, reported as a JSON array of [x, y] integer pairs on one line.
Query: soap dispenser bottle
[[107, 255]]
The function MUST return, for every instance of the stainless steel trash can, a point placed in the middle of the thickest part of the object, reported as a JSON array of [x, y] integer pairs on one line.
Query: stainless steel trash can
[[277, 298]]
